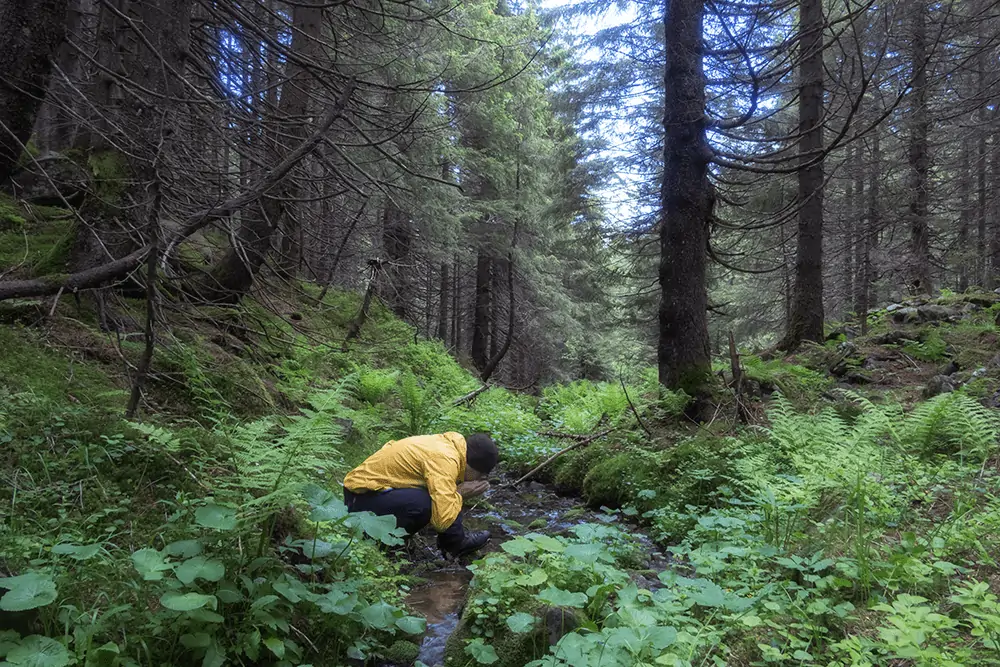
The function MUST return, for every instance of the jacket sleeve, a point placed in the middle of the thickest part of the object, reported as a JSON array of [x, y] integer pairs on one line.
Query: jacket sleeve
[[440, 475]]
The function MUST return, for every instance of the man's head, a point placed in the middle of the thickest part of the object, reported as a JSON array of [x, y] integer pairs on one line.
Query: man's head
[[480, 456]]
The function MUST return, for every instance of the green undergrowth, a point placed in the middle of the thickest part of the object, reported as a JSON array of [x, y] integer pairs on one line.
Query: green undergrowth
[[34, 240], [210, 531], [822, 540]]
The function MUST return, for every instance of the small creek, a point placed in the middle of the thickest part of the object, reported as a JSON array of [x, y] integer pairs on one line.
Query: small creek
[[506, 512]]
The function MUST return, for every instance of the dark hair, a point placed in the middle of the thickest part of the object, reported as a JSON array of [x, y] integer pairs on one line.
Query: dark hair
[[481, 452]]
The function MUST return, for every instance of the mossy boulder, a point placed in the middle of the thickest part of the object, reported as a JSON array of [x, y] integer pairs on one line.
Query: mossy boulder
[[400, 654]]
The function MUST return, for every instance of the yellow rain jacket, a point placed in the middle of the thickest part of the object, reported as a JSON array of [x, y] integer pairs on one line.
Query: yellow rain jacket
[[435, 462]]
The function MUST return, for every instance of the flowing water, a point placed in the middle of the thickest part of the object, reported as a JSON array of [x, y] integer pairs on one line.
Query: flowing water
[[506, 512]]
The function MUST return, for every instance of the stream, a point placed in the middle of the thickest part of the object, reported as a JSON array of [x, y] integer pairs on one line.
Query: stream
[[506, 512]]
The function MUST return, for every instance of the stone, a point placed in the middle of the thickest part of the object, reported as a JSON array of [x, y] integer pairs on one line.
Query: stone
[[950, 369], [893, 337], [906, 315], [935, 313], [994, 362], [939, 384], [857, 377], [893, 307], [560, 621]]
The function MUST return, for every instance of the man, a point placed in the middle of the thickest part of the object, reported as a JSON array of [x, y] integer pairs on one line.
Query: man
[[424, 479]]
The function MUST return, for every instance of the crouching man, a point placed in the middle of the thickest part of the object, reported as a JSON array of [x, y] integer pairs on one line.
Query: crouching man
[[424, 479]]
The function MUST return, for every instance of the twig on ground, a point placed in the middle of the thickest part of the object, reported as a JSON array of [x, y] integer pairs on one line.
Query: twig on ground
[[634, 411], [552, 458]]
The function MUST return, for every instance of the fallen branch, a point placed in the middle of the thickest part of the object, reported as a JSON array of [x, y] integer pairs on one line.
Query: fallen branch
[[586, 441], [569, 436], [471, 395]]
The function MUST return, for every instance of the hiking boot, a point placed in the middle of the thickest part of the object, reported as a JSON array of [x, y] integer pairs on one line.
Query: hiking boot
[[470, 542]]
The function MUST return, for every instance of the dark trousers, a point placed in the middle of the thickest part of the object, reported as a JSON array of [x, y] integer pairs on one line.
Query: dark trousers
[[412, 509]]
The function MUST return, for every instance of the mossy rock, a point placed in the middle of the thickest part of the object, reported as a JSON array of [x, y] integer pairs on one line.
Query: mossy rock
[[569, 470], [402, 653]]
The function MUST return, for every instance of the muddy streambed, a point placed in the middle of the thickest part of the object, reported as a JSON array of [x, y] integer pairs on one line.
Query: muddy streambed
[[506, 512]]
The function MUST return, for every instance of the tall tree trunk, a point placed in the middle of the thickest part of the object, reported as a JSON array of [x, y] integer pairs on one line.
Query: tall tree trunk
[[850, 225], [31, 32], [872, 224], [862, 239], [918, 158], [806, 322], [396, 239], [483, 310], [444, 298], [456, 308], [993, 270], [683, 359], [963, 255]]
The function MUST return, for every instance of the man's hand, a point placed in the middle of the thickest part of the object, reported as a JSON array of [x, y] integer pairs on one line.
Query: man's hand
[[473, 489]]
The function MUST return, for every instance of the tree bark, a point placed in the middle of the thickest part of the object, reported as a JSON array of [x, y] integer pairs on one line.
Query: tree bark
[[483, 309], [965, 216], [31, 32], [918, 157], [683, 359], [806, 322], [444, 298]]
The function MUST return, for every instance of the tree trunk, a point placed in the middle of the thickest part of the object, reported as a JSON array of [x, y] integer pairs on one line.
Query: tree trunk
[[396, 239], [444, 297], [483, 310], [963, 255], [683, 358], [849, 235], [862, 240], [456, 308], [31, 32], [806, 322], [919, 159]]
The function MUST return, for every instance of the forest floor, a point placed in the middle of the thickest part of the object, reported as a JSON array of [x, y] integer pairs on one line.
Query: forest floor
[[850, 523]]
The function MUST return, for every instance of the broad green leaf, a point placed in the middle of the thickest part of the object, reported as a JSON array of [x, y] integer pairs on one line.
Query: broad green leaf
[[379, 616], [482, 653], [411, 625], [337, 602], [589, 553], [183, 548], [661, 637], [293, 590], [196, 640], [199, 567], [215, 516], [215, 656], [264, 601], [548, 543], [150, 564], [177, 601], [560, 598], [519, 546], [536, 577], [78, 552], [751, 620], [521, 622], [38, 651], [27, 591], [331, 510], [276, 646], [381, 528]]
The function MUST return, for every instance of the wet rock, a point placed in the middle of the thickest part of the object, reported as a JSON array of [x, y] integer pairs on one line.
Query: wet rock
[[981, 300], [857, 377], [906, 315], [935, 313], [939, 384], [560, 621], [893, 337], [950, 369], [893, 307]]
